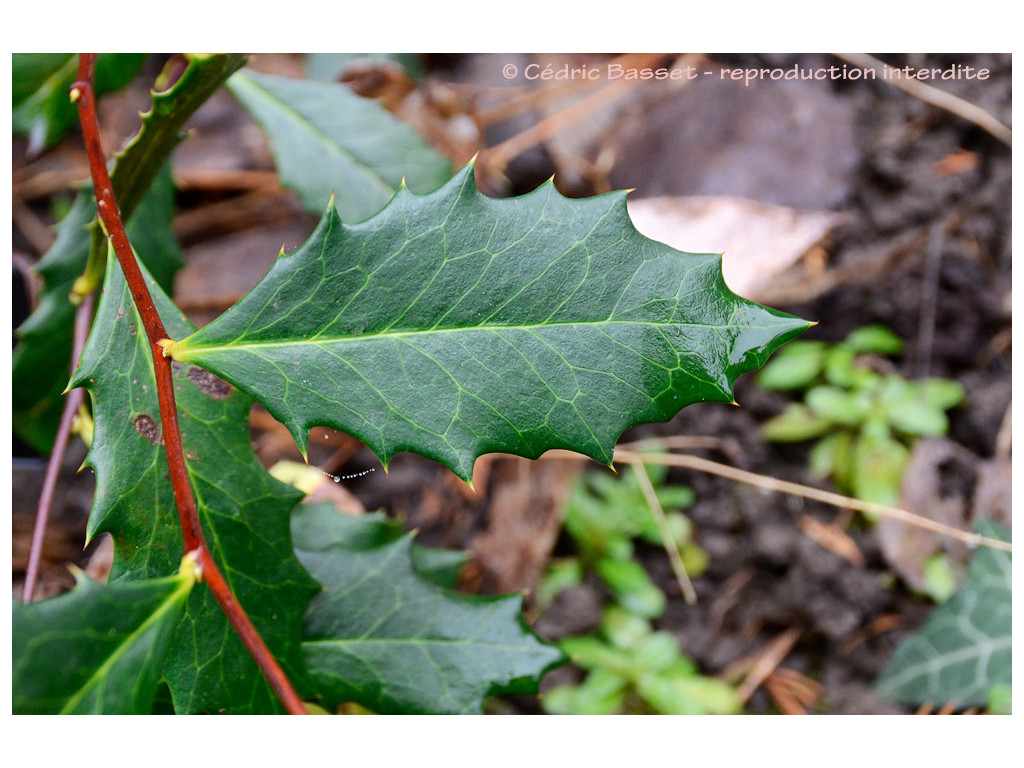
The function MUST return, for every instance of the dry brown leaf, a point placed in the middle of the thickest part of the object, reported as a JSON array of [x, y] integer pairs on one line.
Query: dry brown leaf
[[932, 462], [758, 241], [523, 523]]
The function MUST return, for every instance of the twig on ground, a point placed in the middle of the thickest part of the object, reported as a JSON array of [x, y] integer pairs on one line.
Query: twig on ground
[[815, 494], [934, 96], [796, 489], [674, 442], [728, 596], [793, 692], [668, 541], [766, 663], [883, 623], [83, 319]]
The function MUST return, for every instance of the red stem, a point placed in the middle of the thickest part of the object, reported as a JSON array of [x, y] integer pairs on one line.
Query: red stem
[[191, 528]]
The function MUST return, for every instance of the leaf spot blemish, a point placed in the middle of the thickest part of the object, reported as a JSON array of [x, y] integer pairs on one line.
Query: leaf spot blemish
[[209, 384], [146, 427]]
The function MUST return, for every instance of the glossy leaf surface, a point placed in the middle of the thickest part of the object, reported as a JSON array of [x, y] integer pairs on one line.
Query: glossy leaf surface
[[453, 325], [386, 637], [98, 649], [244, 511]]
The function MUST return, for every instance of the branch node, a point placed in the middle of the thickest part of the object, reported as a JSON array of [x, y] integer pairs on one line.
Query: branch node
[[191, 565], [167, 346]]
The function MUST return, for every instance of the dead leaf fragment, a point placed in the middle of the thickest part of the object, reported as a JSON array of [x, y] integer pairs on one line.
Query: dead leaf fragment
[[926, 491], [758, 241], [959, 161], [833, 538]]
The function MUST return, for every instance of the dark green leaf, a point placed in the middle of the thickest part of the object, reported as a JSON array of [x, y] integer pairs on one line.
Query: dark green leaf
[[387, 638], [964, 648], [161, 128], [454, 325], [441, 566], [244, 511], [327, 140], [97, 649]]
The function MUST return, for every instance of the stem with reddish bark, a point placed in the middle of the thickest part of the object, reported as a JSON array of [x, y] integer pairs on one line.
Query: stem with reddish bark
[[106, 203]]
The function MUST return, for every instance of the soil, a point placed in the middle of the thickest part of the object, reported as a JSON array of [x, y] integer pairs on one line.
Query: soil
[[927, 254], [925, 249]]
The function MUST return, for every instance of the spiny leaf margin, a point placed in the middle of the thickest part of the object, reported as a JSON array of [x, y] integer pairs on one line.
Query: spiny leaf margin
[[452, 325], [98, 649], [386, 635]]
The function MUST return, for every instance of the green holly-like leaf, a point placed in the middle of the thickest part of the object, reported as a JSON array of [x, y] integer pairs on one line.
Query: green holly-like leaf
[[244, 511], [393, 641], [98, 649], [964, 648], [44, 339], [453, 325], [326, 139]]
